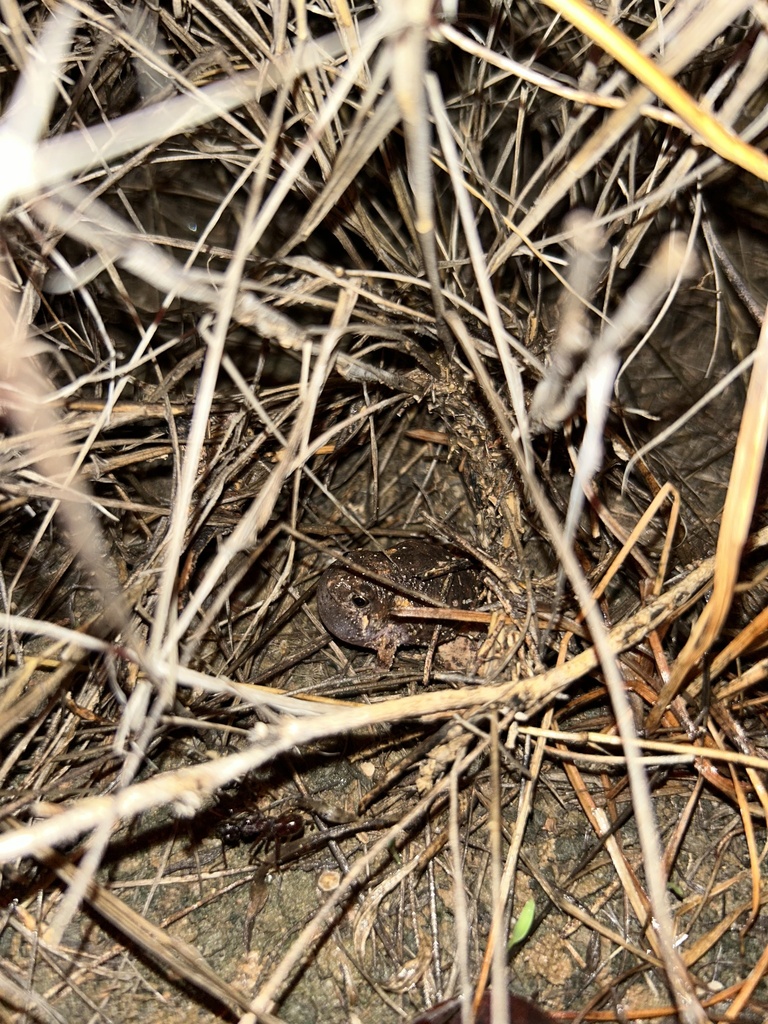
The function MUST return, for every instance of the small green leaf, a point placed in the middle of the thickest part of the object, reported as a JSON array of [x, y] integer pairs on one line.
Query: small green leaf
[[522, 924]]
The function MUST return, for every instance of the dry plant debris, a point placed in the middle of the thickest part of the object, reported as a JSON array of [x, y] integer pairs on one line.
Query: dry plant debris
[[289, 284]]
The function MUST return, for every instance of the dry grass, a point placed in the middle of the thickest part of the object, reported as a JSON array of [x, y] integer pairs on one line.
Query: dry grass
[[282, 282]]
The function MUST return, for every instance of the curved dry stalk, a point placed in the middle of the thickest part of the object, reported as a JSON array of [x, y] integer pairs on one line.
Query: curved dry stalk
[[699, 121], [734, 530], [700, 27]]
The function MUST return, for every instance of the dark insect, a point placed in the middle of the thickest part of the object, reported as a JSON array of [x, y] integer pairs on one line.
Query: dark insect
[[260, 829]]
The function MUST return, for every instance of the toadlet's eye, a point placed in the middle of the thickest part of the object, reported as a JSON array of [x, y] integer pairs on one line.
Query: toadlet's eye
[[359, 601]]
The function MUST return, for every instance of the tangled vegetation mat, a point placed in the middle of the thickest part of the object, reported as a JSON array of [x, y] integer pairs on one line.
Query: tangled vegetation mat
[[383, 617]]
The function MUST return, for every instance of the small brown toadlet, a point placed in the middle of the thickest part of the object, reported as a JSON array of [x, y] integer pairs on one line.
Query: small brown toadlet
[[359, 610]]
